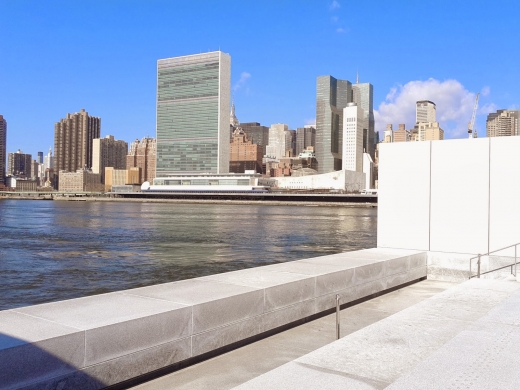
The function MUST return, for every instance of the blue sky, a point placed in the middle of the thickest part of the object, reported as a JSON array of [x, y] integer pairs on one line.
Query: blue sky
[[60, 56]]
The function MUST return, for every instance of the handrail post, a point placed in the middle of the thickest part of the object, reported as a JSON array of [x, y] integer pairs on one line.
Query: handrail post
[[470, 267], [478, 266], [337, 317]]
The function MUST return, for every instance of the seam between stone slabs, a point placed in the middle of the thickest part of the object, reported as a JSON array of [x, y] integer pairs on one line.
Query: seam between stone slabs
[[82, 369], [45, 319], [261, 288], [157, 299], [142, 350]]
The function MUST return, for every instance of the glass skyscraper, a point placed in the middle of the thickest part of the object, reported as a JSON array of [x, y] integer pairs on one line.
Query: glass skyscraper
[[332, 96], [363, 96], [193, 96]]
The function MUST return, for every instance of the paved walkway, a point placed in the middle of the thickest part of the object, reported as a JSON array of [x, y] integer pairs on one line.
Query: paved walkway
[[466, 337], [241, 365]]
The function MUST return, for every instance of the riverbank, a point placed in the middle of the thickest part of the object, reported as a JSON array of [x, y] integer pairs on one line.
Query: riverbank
[[189, 201]]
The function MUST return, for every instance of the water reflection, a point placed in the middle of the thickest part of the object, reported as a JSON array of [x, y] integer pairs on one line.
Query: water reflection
[[60, 250]]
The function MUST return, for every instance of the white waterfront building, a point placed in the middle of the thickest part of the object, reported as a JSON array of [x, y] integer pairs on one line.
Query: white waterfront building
[[231, 182]]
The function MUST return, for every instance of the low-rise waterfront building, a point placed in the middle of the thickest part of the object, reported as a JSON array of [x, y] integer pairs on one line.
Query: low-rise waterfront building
[[344, 181], [83, 180], [230, 182]]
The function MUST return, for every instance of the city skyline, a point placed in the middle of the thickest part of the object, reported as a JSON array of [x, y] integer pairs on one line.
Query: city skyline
[[265, 91]]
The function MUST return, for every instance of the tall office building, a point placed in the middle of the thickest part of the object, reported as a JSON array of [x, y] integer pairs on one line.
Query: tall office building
[[305, 137], [425, 111], [48, 160], [40, 158], [503, 123], [363, 96], [290, 143], [244, 155], [353, 126], [108, 152], [276, 147], [257, 134], [3, 148], [332, 96], [143, 155], [73, 138], [193, 95], [19, 164]]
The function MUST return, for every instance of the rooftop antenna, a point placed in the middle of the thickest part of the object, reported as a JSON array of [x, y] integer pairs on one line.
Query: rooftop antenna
[[357, 77]]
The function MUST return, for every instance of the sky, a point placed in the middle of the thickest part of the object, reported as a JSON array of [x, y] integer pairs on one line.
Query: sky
[[57, 57]]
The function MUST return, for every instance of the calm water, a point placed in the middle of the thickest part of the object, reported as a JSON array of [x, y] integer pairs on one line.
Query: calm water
[[52, 250]]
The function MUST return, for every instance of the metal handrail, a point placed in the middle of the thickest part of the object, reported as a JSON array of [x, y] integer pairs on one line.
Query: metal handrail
[[496, 269]]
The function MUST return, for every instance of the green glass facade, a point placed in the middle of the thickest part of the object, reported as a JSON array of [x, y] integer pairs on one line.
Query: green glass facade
[[191, 95]]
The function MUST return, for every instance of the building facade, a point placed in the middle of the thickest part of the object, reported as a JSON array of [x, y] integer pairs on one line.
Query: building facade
[[290, 143], [503, 123], [305, 137], [73, 139], [19, 164], [353, 126], [143, 155], [108, 152], [193, 96], [244, 154], [48, 160], [332, 96], [83, 180], [429, 131], [3, 148], [363, 96], [276, 147], [257, 134], [425, 111]]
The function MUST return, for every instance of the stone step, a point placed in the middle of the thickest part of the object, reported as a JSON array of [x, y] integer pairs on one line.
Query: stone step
[[464, 336]]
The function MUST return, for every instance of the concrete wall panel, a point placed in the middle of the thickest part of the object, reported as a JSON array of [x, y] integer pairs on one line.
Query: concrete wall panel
[[504, 223], [459, 196], [404, 195]]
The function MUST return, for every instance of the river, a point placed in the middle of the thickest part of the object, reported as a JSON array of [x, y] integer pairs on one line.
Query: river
[[55, 250]]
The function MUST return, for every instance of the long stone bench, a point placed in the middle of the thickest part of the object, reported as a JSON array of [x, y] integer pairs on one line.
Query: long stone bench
[[97, 341]]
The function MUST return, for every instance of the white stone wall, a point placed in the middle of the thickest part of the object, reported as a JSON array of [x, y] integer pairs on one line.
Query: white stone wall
[[453, 196], [339, 180]]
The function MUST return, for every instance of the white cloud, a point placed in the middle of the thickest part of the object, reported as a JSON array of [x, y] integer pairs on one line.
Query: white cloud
[[487, 109], [244, 76], [310, 121], [485, 91], [454, 105], [340, 30], [334, 5], [334, 19]]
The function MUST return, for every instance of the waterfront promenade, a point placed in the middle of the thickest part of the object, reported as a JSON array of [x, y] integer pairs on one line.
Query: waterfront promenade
[[466, 337]]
